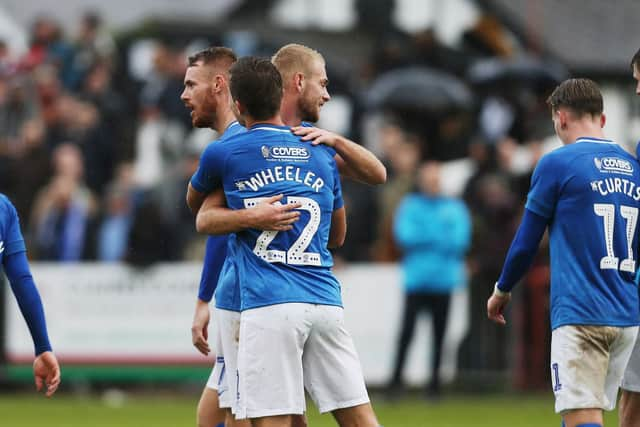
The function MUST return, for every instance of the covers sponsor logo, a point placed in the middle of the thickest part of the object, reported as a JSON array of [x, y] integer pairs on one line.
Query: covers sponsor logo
[[613, 164], [288, 153]]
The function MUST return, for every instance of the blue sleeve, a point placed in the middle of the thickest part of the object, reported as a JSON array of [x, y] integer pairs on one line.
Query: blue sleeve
[[214, 256], [523, 249], [545, 187], [13, 242], [408, 230], [23, 287], [338, 201], [208, 177]]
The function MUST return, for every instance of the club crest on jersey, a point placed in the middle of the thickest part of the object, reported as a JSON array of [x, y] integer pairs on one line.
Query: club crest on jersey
[[285, 153], [613, 165]]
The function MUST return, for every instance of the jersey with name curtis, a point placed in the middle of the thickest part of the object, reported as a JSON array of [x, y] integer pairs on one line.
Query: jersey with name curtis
[[616, 185]]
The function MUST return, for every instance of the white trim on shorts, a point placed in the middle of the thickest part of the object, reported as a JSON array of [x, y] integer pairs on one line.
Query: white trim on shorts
[[224, 376]]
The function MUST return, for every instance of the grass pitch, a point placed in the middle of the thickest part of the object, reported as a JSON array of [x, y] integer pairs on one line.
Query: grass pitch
[[126, 410]]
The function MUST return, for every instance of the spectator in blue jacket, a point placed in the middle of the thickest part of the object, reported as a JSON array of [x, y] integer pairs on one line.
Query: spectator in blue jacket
[[433, 232]]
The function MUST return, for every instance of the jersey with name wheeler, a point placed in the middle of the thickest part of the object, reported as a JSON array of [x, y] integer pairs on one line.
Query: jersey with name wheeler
[[277, 267], [590, 193]]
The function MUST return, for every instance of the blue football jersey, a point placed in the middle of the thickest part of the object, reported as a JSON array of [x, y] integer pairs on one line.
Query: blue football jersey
[[277, 267], [11, 240], [590, 192], [216, 250]]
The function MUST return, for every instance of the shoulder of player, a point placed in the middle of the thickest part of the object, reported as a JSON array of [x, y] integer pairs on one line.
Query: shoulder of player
[[561, 155], [6, 206], [223, 144], [4, 201]]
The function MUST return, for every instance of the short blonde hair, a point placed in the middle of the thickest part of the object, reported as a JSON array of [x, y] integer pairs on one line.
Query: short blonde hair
[[295, 58]]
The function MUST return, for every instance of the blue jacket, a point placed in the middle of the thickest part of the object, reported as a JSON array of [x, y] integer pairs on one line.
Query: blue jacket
[[434, 234]]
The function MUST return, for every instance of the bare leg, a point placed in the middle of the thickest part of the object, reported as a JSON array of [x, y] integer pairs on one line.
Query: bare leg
[[209, 412], [629, 410], [232, 422], [298, 421], [273, 421], [356, 416], [576, 417]]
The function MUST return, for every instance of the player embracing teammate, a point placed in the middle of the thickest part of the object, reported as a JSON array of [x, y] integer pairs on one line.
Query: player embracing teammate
[[286, 209]]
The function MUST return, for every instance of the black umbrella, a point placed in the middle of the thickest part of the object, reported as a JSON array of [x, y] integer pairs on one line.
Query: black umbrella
[[419, 88], [520, 70]]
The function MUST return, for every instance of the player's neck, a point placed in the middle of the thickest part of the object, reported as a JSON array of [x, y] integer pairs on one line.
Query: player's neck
[[275, 120], [289, 111], [584, 132], [223, 120]]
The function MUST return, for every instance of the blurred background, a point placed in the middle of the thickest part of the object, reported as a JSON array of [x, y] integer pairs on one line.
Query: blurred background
[[96, 150]]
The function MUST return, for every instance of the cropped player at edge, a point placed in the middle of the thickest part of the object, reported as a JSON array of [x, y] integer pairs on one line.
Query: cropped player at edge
[[587, 194], [291, 334], [13, 255], [629, 411]]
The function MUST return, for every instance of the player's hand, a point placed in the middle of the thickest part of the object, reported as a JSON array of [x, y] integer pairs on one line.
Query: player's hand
[[46, 372], [316, 135], [200, 327], [495, 308], [272, 215]]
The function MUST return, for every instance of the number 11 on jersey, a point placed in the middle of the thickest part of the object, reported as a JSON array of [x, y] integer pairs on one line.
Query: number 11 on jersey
[[608, 212]]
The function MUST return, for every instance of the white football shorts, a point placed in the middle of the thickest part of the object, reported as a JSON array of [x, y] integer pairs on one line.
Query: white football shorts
[[285, 348], [631, 378], [587, 364], [224, 376]]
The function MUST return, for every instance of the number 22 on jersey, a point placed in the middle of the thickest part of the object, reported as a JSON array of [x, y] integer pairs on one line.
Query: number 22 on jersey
[[296, 254]]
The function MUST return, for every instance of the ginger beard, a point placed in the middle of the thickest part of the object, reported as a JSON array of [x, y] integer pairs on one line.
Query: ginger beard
[[198, 96]]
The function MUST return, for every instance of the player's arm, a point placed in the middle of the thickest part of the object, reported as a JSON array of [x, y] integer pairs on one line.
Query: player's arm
[[16, 267], [207, 178], [353, 160], [519, 258], [546, 183], [194, 199], [338, 231], [214, 256], [45, 366], [200, 327], [215, 218]]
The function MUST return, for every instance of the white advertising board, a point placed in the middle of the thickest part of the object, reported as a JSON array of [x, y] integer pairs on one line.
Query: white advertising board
[[112, 313]]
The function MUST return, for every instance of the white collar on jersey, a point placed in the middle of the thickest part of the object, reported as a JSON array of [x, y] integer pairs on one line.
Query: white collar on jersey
[[273, 128], [594, 140]]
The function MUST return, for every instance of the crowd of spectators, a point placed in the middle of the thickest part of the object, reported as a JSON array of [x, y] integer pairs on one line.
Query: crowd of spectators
[[98, 169], [96, 156]]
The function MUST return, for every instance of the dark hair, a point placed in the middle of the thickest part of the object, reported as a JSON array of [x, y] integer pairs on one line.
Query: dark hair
[[213, 54], [256, 84], [581, 96], [635, 61]]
